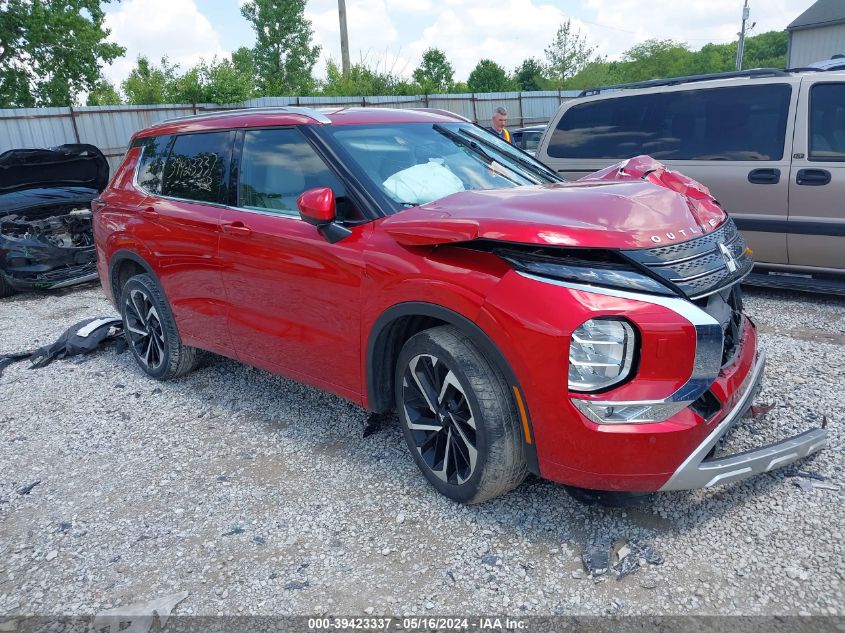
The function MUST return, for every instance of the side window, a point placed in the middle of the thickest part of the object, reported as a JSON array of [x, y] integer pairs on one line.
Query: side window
[[151, 164], [277, 166], [827, 122], [743, 123], [197, 166]]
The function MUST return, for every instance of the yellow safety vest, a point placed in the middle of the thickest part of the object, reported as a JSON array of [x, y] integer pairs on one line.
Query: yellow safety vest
[[506, 135]]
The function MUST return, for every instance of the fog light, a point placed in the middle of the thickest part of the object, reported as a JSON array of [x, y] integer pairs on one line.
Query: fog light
[[601, 353]]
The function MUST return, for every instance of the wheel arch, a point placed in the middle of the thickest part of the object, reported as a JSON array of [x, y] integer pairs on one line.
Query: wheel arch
[[125, 264], [397, 324]]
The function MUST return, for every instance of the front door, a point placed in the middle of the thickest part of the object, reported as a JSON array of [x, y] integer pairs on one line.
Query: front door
[[816, 234], [293, 298]]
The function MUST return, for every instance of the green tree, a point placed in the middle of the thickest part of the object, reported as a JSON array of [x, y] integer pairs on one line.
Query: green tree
[[568, 54], [435, 73], [766, 50], [228, 80], [149, 84], [488, 76], [596, 74], [530, 75], [654, 59], [103, 94], [284, 56], [363, 80], [51, 50]]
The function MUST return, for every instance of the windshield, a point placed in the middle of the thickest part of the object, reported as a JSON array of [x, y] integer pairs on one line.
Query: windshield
[[415, 163]]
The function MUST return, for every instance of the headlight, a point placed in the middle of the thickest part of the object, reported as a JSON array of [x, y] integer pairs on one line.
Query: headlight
[[601, 354], [606, 270]]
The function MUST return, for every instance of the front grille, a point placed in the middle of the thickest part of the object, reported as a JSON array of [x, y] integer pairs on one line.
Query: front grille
[[699, 266]]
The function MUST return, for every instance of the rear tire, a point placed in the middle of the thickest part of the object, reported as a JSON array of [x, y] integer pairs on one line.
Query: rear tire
[[458, 416], [151, 332]]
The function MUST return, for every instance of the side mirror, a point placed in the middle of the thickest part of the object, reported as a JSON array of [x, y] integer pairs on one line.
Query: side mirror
[[317, 206]]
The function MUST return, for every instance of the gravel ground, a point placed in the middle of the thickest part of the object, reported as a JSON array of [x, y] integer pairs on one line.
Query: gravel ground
[[256, 495]]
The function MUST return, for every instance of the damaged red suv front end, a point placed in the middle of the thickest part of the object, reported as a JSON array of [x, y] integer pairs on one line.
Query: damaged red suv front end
[[590, 332]]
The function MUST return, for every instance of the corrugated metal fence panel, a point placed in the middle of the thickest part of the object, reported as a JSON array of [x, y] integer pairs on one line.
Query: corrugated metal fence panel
[[462, 104], [487, 103], [35, 127], [111, 127]]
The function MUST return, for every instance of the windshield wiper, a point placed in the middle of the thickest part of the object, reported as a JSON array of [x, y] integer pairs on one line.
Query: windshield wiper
[[525, 162], [473, 146]]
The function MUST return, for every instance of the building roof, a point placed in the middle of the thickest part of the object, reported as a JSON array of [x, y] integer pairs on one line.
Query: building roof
[[821, 13]]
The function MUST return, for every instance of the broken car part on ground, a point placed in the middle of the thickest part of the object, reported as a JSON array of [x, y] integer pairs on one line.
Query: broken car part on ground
[[46, 239]]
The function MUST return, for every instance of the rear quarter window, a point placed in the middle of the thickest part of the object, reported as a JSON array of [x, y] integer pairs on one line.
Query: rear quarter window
[[743, 123], [151, 164], [197, 166]]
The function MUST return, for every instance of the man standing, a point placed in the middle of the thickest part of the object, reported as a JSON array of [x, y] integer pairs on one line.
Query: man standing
[[500, 120]]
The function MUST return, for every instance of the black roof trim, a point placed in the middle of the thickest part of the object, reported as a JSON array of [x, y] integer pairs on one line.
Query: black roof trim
[[673, 81]]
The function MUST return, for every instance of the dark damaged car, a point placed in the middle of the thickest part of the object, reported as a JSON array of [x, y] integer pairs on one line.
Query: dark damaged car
[[46, 238]]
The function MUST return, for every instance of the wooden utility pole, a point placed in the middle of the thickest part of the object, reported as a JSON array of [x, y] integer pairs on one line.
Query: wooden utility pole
[[344, 37]]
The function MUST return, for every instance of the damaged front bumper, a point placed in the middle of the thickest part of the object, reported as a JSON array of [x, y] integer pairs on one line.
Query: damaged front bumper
[[31, 265], [700, 471]]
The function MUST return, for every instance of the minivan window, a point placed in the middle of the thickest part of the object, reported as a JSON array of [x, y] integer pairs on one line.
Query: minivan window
[[827, 122], [278, 165], [151, 164], [197, 165], [743, 123]]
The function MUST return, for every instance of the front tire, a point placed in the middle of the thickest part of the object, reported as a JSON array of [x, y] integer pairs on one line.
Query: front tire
[[151, 332], [458, 417]]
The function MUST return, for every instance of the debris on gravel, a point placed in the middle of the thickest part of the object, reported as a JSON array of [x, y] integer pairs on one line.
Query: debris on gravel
[[257, 495]]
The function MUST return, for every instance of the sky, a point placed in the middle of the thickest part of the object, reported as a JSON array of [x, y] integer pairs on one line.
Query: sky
[[394, 33]]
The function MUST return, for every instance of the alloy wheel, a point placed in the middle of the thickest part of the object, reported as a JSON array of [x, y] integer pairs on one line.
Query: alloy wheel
[[438, 414], [146, 334]]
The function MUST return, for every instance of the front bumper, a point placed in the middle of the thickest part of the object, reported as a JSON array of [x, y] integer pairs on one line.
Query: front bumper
[[699, 472]]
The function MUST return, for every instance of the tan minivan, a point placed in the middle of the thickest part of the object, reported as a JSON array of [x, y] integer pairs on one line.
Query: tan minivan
[[769, 144]]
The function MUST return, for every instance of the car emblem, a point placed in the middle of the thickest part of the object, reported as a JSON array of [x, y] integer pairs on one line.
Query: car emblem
[[730, 260]]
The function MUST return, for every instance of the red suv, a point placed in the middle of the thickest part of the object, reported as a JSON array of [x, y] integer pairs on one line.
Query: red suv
[[589, 332]]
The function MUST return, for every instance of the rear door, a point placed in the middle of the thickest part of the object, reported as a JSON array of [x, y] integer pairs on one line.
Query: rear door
[[181, 226], [732, 138], [817, 186], [293, 298]]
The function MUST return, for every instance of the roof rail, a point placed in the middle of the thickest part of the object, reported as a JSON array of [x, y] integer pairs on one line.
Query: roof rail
[[444, 112], [672, 81], [311, 113]]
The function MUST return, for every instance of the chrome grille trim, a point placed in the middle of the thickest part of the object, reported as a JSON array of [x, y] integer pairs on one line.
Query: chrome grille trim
[[697, 266]]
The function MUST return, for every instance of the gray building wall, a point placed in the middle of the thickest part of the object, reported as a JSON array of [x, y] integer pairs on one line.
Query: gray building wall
[[815, 44]]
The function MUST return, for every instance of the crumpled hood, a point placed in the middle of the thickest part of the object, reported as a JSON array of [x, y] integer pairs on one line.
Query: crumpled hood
[[634, 204], [64, 166]]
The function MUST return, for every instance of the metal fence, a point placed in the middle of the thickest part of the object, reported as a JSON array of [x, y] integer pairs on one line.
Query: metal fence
[[111, 127]]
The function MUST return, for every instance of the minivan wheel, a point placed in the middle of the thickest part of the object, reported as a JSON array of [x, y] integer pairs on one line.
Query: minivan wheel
[[458, 417], [151, 331]]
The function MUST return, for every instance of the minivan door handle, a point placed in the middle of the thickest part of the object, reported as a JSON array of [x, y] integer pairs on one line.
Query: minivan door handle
[[813, 177], [237, 228], [765, 176]]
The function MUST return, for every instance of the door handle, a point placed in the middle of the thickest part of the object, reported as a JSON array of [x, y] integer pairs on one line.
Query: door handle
[[237, 228], [149, 212], [813, 177], [764, 176]]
